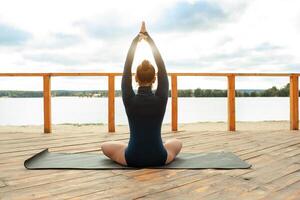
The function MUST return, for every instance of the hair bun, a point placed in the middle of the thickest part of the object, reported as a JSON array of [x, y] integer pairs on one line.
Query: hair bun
[[146, 65], [145, 62], [145, 72]]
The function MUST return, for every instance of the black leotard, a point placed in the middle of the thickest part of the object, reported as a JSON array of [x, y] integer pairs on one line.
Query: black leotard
[[145, 112]]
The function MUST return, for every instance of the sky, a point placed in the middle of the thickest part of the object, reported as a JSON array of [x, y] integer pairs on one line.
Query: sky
[[192, 36]]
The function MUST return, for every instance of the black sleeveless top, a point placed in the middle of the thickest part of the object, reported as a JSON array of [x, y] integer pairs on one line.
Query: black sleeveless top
[[145, 111]]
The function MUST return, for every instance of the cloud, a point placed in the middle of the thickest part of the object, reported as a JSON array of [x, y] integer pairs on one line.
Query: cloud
[[56, 41], [267, 47], [82, 56], [293, 68], [12, 36], [179, 16], [63, 39], [54, 58], [263, 57], [110, 28], [186, 16], [192, 35]]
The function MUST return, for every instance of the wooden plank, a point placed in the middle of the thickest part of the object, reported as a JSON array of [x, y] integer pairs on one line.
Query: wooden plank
[[255, 183], [291, 192], [22, 74], [236, 74], [294, 105], [231, 102], [61, 74], [47, 103], [170, 74], [87, 74], [174, 93], [111, 103]]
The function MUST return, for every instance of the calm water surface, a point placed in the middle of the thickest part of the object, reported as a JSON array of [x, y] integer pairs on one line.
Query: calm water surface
[[29, 111]]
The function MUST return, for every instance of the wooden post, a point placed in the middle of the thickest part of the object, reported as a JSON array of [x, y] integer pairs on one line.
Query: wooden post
[[294, 106], [111, 103], [174, 94], [231, 102], [47, 103]]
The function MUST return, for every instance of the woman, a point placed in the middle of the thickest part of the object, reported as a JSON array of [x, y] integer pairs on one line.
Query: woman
[[145, 111]]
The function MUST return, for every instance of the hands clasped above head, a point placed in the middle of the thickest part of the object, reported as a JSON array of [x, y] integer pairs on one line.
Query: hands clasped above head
[[143, 34]]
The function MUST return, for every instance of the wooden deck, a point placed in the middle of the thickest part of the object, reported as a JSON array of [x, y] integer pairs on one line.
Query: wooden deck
[[274, 154]]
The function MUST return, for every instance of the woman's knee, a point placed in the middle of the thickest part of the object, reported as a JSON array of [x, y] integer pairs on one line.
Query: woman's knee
[[104, 145], [111, 148], [179, 144], [109, 144], [106, 148], [172, 140], [174, 143]]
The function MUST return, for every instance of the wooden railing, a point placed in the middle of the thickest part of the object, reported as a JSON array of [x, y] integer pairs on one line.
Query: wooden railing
[[294, 95]]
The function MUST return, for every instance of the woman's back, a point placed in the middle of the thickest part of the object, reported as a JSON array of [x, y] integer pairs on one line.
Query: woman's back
[[145, 115], [145, 112]]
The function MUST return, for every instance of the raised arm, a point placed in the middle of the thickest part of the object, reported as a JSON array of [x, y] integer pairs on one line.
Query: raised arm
[[127, 91], [162, 77]]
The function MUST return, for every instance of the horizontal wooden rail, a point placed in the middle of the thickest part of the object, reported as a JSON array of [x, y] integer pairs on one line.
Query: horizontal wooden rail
[[294, 94], [170, 74]]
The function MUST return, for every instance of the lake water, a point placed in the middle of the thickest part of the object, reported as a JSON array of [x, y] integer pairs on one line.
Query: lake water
[[29, 111]]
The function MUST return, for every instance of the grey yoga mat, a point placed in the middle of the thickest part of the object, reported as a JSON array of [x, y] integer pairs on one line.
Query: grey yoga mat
[[89, 161]]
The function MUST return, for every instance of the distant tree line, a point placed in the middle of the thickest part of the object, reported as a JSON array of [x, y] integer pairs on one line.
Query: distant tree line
[[15, 94], [271, 92]]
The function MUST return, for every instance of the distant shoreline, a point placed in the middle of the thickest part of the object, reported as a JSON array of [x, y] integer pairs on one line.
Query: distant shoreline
[[271, 92], [4, 97]]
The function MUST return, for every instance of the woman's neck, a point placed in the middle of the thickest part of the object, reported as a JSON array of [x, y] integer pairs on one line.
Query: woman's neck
[[145, 85]]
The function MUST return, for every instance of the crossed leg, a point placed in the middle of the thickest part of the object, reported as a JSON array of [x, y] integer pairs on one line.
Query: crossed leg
[[115, 150], [173, 147]]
